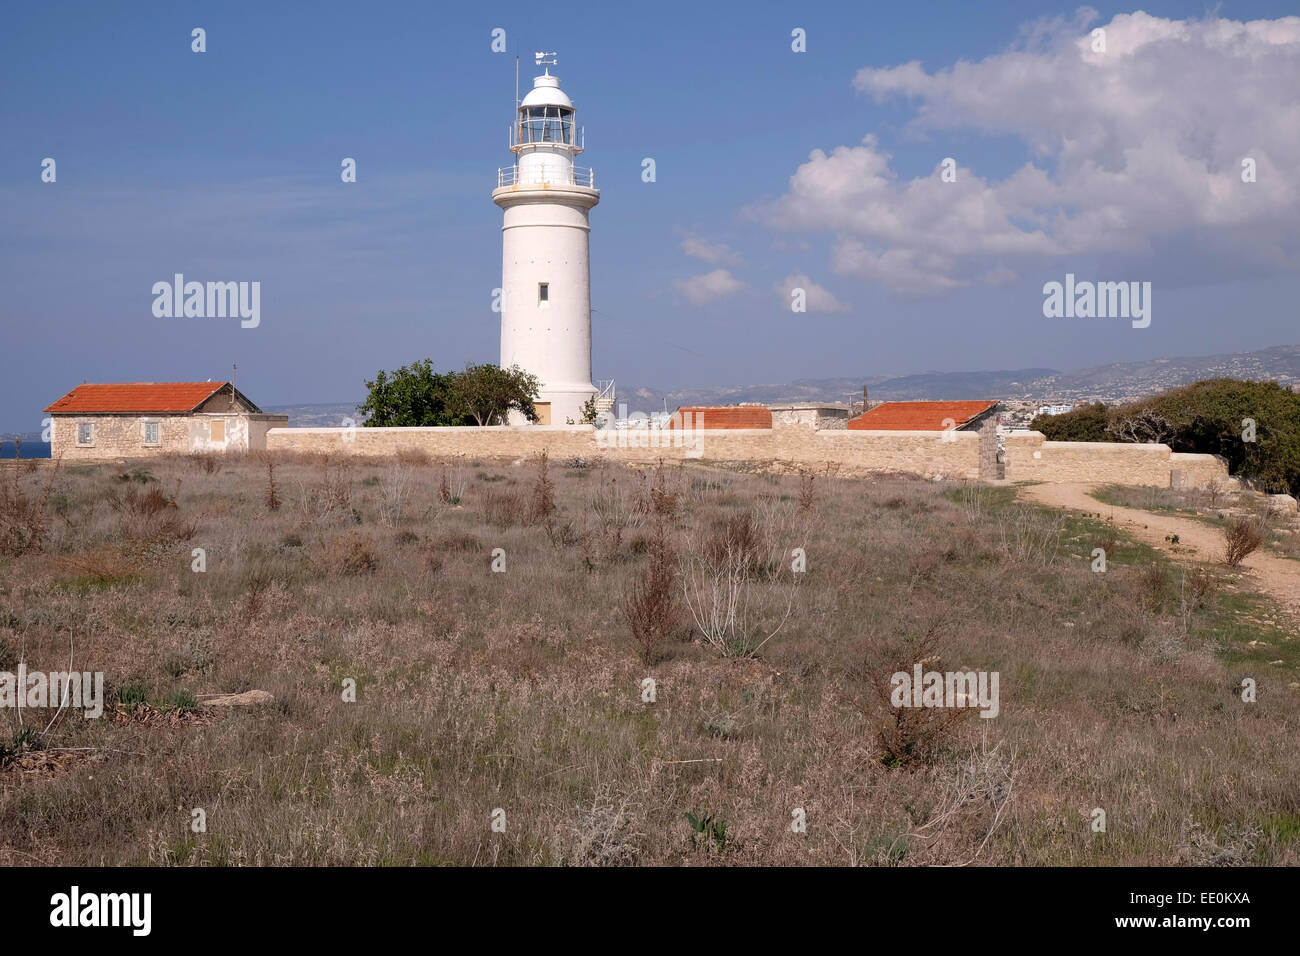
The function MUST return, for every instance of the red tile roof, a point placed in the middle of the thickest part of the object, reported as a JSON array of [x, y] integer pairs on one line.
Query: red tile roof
[[722, 416], [153, 397], [919, 416]]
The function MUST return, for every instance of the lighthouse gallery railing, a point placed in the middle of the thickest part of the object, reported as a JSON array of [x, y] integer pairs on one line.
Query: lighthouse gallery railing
[[542, 176]]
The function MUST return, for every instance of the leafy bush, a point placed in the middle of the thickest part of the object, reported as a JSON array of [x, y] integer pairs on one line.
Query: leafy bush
[[133, 694], [1083, 424], [180, 701], [707, 831]]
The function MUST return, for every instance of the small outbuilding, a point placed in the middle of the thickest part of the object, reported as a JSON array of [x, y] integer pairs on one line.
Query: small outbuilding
[[721, 416], [140, 419]]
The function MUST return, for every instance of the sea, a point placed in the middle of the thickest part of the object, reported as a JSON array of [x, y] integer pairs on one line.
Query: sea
[[30, 449]]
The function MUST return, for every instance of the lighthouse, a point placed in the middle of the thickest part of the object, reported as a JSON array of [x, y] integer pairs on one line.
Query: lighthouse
[[545, 271]]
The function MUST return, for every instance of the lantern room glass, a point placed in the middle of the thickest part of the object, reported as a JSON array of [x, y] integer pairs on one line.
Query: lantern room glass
[[546, 124]]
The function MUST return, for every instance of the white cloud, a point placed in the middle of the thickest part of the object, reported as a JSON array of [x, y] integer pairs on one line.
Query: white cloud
[[1136, 152], [718, 253], [816, 298], [709, 287]]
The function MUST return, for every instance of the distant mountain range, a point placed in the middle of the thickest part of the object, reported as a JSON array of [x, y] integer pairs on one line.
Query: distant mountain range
[[1111, 383]]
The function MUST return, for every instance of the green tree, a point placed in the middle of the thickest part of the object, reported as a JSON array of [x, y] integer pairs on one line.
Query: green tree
[[487, 393], [414, 395], [1255, 426], [1083, 424], [589, 413], [1217, 416]]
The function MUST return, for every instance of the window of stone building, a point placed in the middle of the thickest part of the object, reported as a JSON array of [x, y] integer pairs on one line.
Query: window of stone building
[[151, 433], [218, 431], [85, 433]]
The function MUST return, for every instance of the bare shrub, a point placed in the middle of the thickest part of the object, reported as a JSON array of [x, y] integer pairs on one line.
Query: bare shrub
[[650, 606], [974, 793], [734, 539], [152, 515], [141, 504], [24, 518], [1032, 536], [663, 502], [615, 511], [349, 554], [1152, 587], [914, 735], [563, 535], [1241, 536], [392, 492], [1214, 492], [457, 541], [975, 499], [502, 508], [329, 501], [451, 484], [542, 503], [1107, 542], [204, 461], [606, 834], [272, 491], [1234, 846], [806, 495], [735, 615], [337, 489], [1200, 585]]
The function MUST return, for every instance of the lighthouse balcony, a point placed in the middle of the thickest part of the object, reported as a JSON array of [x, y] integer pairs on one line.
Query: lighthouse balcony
[[546, 176]]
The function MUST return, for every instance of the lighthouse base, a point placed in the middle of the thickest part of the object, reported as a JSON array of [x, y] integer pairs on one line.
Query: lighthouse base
[[565, 404]]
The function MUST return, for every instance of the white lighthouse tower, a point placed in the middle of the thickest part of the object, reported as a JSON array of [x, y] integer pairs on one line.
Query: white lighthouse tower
[[545, 275]]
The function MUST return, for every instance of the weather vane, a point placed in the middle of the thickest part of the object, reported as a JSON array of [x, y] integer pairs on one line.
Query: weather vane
[[543, 58]]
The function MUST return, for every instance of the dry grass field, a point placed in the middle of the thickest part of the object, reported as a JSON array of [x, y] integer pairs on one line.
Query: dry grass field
[[523, 689]]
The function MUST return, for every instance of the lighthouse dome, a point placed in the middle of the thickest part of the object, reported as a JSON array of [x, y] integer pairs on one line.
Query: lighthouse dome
[[546, 92]]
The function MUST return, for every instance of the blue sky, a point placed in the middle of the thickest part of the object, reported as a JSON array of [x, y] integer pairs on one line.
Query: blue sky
[[225, 166]]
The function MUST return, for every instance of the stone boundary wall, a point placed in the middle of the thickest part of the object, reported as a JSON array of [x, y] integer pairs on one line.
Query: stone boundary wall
[[925, 453], [1031, 457], [955, 454]]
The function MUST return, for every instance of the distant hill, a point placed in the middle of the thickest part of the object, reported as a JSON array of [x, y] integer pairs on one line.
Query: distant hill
[[329, 415], [1115, 382], [925, 385], [1280, 363], [1111, 383]]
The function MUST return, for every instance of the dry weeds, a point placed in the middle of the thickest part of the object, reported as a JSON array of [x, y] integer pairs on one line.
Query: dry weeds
[[523, 690]]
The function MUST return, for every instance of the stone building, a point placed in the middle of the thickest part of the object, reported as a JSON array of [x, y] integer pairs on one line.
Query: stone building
[[811, 414], [140, 419]]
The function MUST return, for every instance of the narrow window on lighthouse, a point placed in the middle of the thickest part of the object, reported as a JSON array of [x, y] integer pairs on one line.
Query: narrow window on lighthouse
[[543, 293]]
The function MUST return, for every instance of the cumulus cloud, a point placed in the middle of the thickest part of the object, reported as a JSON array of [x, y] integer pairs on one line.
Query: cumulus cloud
[[1135, 152], [709, 287], [718, 253], [816, 298]]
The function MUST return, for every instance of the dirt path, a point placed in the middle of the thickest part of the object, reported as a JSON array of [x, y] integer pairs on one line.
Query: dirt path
[[1278, 577]]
